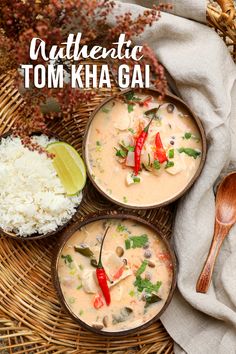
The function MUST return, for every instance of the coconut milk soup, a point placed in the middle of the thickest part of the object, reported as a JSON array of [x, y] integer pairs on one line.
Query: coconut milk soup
[[170, 156], [139, 274]]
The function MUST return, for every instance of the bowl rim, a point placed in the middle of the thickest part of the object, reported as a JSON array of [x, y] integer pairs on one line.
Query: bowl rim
[[36, 236], [192, 180], [65, 236]]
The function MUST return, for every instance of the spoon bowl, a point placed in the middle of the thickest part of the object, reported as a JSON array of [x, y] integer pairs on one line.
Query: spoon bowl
[[226, 200], [224, 220]]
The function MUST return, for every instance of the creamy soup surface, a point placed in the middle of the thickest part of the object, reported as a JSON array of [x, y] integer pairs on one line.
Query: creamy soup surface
[[111, 142], [139, 274]]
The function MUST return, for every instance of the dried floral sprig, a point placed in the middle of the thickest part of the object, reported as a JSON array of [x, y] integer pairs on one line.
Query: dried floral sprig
[[20, 21]]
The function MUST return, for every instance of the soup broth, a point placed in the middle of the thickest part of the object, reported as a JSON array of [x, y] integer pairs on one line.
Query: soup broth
[[139, 274], [111, 143]]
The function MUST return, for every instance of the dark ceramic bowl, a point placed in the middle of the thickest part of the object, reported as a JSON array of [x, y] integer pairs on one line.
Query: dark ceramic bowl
[[35, 236], [175, 100], [55, 278]]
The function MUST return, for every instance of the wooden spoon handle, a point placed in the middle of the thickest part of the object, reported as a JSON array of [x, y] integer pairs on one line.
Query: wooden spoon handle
[[204, 279]]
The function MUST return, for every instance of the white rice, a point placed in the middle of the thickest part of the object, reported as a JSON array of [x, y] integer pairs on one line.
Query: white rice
[[32, 198]]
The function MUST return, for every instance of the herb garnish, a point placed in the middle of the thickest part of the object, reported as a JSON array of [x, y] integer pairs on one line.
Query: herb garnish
[[85, 251], [147, 285], [136, 241], [121, 228], [67, 259], [129, 96], [151, 299], [142, 268], [190, 152]]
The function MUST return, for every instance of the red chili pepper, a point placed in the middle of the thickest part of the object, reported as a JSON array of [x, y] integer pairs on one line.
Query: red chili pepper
[[140, 142], [146, 101], [160, 151], [101, 274]]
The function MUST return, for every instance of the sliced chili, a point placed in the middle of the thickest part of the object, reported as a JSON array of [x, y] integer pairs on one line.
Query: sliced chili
[[101, 274], [140, 142], [119, 273], [98, 302], [160, 151]]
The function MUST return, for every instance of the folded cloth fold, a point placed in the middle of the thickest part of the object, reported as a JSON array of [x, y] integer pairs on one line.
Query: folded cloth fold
[[195, 10], [206, 77]]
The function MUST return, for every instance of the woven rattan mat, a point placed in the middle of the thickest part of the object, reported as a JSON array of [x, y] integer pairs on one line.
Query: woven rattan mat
[[31, 318]]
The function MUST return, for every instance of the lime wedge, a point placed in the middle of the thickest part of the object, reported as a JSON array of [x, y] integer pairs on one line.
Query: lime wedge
[[69, 167]]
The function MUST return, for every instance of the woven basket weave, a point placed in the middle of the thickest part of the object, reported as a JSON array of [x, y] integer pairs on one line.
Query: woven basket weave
[[221, 16], [32, 320]]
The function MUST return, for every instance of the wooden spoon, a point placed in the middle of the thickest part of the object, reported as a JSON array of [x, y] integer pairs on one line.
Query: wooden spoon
[[225, 219]]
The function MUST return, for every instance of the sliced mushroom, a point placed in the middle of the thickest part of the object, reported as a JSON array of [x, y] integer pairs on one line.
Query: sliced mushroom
[[97, 325], [147, 254], [105, 321], [151, 264], [119, 251], [170, 108]]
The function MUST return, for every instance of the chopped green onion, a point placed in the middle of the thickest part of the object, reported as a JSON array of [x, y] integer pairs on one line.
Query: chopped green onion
[[125, 200], [156, 165], [127, 244], [130, 108], [121, 228], [121, 153], [67, 259], [132, 293], [142, 268], [105, 110], [71, 300], [171, 153], [130, 148], [169, 164], [136, 179], [187, 135]]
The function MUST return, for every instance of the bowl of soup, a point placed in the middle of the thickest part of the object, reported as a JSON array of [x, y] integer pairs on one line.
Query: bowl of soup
[[142, 151], [140, 270]]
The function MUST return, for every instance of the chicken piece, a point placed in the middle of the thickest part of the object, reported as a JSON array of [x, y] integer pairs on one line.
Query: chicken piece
[[179, 164], [89, 281], [132, 179]]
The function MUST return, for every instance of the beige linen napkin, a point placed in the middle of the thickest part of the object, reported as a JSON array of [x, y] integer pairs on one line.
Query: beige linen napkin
[[206, 77]]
